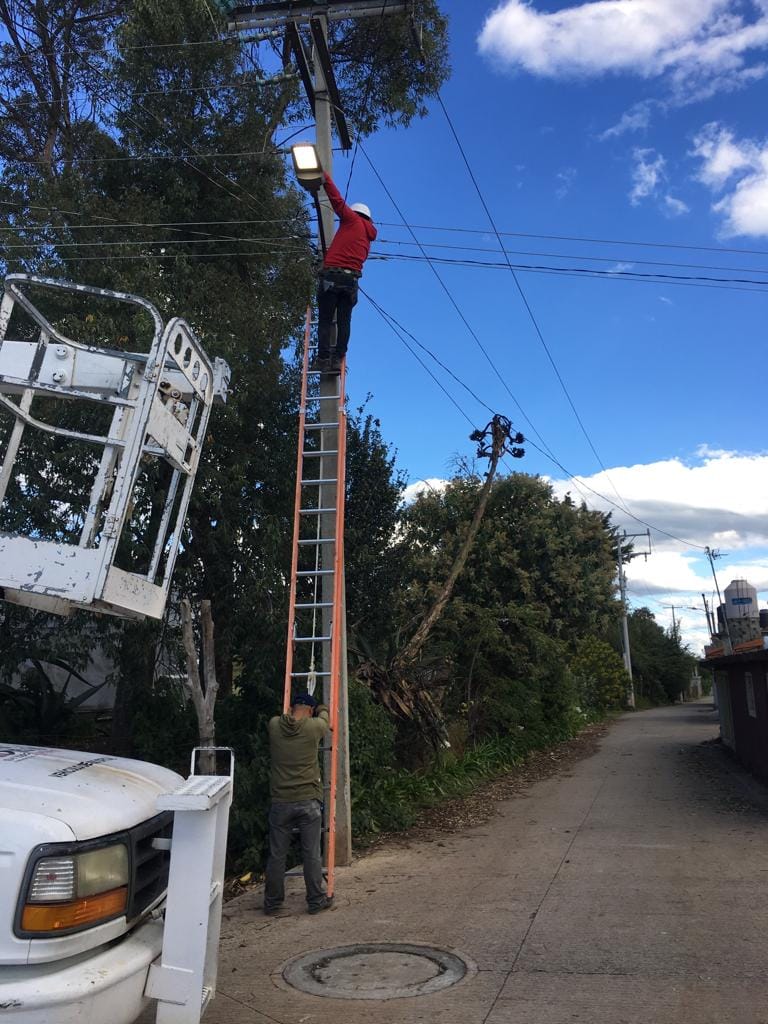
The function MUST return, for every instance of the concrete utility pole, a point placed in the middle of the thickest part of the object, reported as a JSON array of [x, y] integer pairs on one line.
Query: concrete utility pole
[[322, 95], [625, 630], [624, 616], [727, 642]]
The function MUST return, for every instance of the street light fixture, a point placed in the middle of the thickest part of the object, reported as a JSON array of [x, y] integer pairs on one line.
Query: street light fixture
[[307, 166]]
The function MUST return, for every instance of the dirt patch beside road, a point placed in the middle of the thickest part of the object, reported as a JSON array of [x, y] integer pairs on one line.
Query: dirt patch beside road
[[481, 804]]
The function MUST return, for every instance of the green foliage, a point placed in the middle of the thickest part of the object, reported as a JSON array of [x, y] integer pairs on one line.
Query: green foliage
[[600, 677], [35, 710], [661, 664], [164, 726]]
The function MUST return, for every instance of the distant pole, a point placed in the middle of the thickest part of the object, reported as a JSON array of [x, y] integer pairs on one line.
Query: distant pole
[[712, 555], [625, 628], [710, 624]]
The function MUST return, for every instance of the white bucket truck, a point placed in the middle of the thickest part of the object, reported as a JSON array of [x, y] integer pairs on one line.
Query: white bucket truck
[[91, 926], [111, 870]]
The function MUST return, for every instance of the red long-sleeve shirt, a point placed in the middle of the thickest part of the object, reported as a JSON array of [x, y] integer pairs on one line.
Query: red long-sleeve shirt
[[352, 242]]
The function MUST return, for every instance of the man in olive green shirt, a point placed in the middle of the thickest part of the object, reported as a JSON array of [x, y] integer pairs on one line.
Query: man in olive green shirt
[[296, 789]]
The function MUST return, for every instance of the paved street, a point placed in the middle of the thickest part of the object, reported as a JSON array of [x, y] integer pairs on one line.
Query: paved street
[[630, 889]]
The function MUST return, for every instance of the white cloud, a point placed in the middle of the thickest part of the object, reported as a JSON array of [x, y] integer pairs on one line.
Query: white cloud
[[701, 46], [647, 174], [565, 179], [675, 207], [719, 499], [740, 170], [635, 119], [412, 491], [621, 268]]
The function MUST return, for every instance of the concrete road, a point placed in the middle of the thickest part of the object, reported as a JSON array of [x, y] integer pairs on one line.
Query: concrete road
[[630, 890]]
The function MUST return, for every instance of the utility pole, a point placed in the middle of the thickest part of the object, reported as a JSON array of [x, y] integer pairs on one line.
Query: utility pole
[[710, 623], [624, 613], [712, 555], [323, 97]]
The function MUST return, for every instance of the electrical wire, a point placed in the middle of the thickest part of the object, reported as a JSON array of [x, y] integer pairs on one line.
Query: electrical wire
[[368, 88], [395, 324], [418, 358], [591, 271], [618, 260], [448, 292], [96, 71], [582, 238], [529, 309]]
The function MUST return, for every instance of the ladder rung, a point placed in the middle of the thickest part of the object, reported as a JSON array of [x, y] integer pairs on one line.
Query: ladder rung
[[305, 675], [318, 540], [321, 426], [317, 483], [316, 572], [311, 640], [316, 455], [315, 511], [317, 604], [323, 398]]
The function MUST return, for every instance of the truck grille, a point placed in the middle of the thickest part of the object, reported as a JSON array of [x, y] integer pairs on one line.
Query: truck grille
[[149, 867]]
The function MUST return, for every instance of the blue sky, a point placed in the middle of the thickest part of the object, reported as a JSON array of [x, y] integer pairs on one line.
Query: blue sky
[[636, 121]]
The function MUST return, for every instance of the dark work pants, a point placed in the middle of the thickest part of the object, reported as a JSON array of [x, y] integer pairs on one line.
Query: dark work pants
[[336, 294], [307, 817]]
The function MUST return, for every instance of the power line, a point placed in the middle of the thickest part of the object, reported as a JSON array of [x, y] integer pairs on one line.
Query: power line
[[523, 296], [259, 37], [590, 271], [391, 324], [221, 87], [368, 87], [577, 481], [275, 240], [610, 501], [179, 256], [394, 323], [100, 74], [619, 260], [451, 299], [582, 238]]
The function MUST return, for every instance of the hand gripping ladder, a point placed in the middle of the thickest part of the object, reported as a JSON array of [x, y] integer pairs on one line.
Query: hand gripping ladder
[[316, 610]]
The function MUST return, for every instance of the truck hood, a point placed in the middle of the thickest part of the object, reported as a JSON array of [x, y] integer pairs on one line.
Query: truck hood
[[92, 795]]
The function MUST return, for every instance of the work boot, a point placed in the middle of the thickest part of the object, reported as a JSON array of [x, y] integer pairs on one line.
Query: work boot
[[321, 364], [317, 908], [336, 363]]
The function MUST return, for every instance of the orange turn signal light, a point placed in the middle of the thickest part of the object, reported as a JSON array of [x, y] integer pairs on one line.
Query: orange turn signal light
[[59, 917]]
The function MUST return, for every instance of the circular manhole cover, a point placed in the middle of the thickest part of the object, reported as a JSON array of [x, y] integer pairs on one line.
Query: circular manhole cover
[[384, 970]]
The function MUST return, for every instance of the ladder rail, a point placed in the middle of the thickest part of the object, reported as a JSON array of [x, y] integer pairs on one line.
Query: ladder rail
[[328, 640], [297, 517]]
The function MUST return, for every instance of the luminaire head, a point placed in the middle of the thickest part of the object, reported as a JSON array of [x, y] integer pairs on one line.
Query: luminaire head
[[307, 166]]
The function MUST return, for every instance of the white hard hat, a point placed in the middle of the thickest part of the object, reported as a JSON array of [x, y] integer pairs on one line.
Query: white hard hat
[[361, 208]]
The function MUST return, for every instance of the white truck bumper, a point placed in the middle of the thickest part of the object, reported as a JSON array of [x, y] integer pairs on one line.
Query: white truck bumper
[[104, 986]]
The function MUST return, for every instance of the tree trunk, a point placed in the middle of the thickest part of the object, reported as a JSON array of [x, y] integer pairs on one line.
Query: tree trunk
[[202, 690]]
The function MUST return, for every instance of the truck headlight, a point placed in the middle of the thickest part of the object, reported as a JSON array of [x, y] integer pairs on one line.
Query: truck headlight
[[70, 891]]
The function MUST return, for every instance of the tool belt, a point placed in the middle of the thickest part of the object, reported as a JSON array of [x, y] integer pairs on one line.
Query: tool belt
[[340, 272]]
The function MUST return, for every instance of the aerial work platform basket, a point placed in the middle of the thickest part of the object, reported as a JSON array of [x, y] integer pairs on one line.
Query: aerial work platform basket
[[109, 545]]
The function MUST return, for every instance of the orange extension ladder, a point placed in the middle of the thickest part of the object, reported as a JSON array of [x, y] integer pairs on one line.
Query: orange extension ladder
[[313, 648]]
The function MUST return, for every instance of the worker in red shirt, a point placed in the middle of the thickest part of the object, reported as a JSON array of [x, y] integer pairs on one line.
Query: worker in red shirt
[[342, 268]]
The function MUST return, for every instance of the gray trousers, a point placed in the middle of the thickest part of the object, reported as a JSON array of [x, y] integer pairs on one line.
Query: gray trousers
[[307, 817]]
